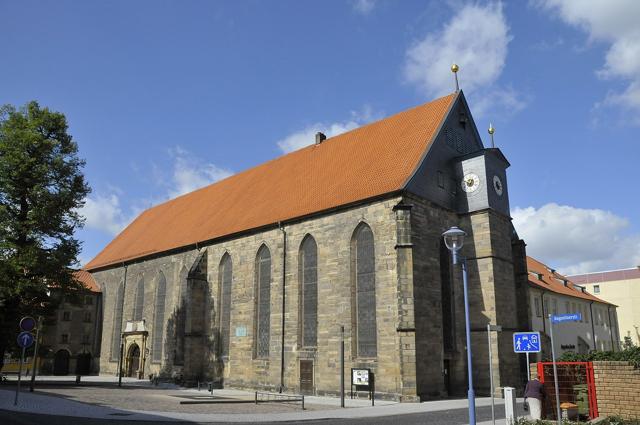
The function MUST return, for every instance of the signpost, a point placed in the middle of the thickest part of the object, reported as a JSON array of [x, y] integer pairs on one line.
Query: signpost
[[490, 328], [561, 318], [25, 340], [526, 342], [35, 355]]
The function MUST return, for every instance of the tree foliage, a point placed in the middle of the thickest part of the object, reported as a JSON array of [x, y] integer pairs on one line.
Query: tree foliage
[[41, 189]]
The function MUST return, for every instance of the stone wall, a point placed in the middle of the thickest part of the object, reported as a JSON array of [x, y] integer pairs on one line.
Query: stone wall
[[333, 234], [617, 389]]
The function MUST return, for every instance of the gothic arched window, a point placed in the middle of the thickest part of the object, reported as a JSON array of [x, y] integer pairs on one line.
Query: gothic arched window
[[446, 298], [308, 276], [158, 318], [139, 305], [364, 276], [117, 323], [262, 302], [225, 277]]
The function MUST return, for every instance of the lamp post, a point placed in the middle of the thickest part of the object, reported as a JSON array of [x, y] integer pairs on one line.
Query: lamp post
[[454, 239]]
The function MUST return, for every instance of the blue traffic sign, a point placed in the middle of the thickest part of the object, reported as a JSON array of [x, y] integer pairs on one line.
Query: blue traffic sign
[[575, 317], [25, 339], [526, 342]]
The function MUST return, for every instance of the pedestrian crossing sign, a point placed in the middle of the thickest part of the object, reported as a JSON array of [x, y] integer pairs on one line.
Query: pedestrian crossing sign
[[526, 342]]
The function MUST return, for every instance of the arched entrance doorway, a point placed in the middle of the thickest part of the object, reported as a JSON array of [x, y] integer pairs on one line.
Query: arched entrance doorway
[[133, 361], [83, 365], [61, 363]]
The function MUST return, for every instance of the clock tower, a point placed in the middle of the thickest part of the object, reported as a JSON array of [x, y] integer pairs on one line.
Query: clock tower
[[483, 181]]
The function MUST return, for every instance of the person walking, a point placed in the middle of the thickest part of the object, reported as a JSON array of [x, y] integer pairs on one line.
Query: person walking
[[533, 395]]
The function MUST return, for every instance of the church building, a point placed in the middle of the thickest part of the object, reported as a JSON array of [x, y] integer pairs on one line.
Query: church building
[[252, 282]]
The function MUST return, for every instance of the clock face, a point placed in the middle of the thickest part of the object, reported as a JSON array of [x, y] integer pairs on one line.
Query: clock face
[[470, 183], [497, 185]]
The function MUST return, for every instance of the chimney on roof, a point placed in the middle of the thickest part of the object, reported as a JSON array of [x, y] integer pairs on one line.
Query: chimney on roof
[[320, 137]]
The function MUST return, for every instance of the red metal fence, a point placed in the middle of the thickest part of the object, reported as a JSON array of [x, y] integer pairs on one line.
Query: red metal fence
[[576, 384]]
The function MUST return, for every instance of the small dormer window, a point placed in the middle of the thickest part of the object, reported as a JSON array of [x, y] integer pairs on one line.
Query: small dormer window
[[463, 119]]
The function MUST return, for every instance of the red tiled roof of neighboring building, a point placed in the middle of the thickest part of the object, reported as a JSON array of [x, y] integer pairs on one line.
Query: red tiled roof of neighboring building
[[87, 280], [553, 281], [370, 161], [608, 276]]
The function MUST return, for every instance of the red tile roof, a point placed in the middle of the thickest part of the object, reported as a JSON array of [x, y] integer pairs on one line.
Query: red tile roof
[[608, 276], [87, 280], [553, 281], [373, 160]]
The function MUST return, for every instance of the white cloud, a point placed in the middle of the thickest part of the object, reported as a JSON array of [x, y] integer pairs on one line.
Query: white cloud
[[614, 22], [476, 38], [306, 136], [363, 7], [575, 240], [103, 212], [191, 173]]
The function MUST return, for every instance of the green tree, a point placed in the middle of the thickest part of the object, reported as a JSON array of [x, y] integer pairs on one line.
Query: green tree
[[41, 189]]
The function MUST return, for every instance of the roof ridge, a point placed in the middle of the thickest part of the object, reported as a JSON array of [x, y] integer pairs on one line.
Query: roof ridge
[[287, 154], [373, 160]]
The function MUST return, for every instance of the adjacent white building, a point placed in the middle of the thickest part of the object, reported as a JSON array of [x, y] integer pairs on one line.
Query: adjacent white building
[[621, 287], [553, 293]]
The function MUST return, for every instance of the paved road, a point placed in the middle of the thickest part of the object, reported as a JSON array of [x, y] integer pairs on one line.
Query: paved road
[[444, 417]]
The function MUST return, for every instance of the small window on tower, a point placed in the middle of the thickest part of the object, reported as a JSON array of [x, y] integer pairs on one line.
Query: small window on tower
[[453, 187], [440, 180]]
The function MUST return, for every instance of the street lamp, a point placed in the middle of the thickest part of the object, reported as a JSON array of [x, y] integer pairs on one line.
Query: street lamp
[[454, 240]]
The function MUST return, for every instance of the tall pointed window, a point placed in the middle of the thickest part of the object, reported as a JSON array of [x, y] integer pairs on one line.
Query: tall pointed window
[[263, 302], [117, 323], [139, 305], [446, 298], [364, 275], [225, 280], [158, 318], [308, 274]]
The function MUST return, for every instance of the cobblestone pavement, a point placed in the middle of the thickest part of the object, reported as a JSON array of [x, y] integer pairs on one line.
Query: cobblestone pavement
[[65, 403], [168, 400]]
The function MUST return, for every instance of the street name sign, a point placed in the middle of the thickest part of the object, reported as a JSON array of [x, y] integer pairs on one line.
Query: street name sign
[[526, 342], [575, 317], [25, 339]]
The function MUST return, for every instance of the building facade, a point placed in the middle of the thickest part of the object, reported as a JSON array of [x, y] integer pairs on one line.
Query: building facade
[[253, 281], [554, 294], [71, 336], [622, 288]]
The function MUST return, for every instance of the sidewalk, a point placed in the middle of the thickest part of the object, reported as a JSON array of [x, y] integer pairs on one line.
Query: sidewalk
[[329, 406]]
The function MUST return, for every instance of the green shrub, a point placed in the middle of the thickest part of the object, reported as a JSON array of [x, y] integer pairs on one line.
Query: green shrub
[[631, 354]]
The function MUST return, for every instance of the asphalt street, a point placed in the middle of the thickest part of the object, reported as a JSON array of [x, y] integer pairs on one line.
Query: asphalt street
[[443, 417]]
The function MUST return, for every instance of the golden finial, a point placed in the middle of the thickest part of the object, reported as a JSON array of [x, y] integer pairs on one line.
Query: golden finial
[[491, 131], [454, 69]]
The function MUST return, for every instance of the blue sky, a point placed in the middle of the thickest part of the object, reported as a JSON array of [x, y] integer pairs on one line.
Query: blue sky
[[163, 97]]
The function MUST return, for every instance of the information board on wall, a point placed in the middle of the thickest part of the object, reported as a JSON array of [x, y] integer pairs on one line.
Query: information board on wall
[[360, 377]]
